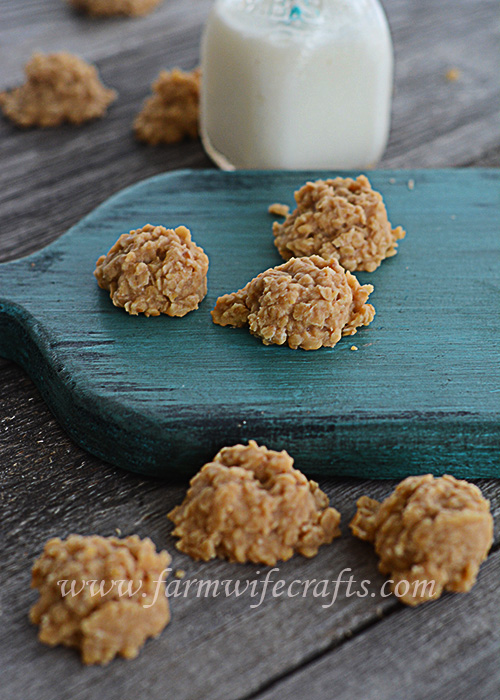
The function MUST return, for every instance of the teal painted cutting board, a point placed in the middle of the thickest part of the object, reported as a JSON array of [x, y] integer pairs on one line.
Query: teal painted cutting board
[[161, 395]]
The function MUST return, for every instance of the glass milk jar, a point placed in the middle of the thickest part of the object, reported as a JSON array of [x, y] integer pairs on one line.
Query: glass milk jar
[[296, 84]]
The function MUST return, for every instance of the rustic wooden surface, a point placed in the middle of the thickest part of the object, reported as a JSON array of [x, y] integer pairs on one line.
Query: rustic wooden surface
[[161, 396], [368, 647]]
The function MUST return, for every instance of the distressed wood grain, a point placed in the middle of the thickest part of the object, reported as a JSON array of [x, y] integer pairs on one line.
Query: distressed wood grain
[[214, 648], [49, 181], [436, 123], [415, 653], [162, 396]]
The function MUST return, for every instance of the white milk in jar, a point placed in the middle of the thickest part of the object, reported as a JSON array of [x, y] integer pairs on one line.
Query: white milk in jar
[[296, 84]]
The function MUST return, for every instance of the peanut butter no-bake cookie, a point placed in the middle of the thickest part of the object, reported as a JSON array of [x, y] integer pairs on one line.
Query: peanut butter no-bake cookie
[[107, 8], [306, 302], [102, 595], [154, 271], [431, 534], [60, 88], [343, 219], [250, 504], [171, 114]]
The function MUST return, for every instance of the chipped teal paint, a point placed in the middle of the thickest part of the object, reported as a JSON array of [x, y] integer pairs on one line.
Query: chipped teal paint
[[162, 395]]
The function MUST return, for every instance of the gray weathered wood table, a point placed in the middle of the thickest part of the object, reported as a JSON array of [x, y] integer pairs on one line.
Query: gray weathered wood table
[[367, 647]]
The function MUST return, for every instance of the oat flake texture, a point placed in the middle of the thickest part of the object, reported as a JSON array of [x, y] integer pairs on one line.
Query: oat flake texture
[[108, 8], [306, 302], [250, 504], [343, 219], [172, 113], [100, 626], [154, 271], [428, 529], [60, 88]]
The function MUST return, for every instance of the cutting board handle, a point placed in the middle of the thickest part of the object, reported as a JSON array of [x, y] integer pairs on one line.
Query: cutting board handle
[[21, 280]]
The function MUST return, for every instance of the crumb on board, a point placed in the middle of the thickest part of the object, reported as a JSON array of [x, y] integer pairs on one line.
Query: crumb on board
[[109, 8], [179, 573], [104, 620], [279, 209], [172, 112], [411, 184], [452, 75], [307, 303], [60, 87], [250, 504], [431, 535], [354, 347], [344, 219], [154, 271], [118, 531]]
